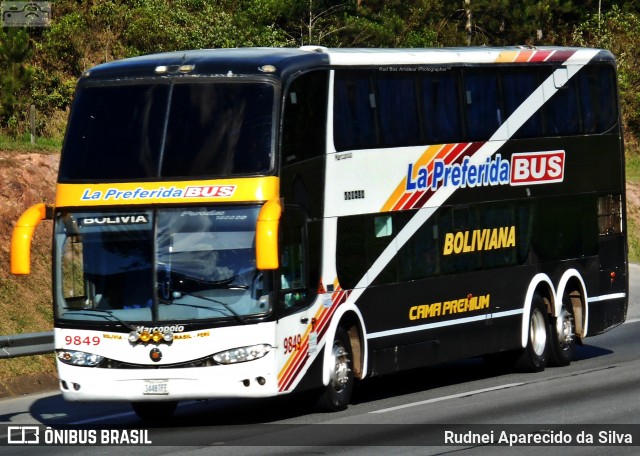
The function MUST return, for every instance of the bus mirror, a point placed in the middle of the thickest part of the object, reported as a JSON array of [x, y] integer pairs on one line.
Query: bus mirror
[[22, 235], [267, 235]]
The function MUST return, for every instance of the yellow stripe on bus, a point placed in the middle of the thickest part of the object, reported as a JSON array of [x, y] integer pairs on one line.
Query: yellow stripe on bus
[[140, 193], [507, 56], [429, 154]]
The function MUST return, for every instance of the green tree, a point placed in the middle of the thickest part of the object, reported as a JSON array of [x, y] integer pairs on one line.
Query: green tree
[[389, 23], [304, 22], [532, 22], [89, 32], [15, 77], [617, 30], [159, 26]]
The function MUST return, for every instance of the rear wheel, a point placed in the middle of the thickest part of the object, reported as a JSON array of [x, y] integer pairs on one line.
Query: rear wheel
[[534, 357], [563, 338], [337, 394], [154, 411]]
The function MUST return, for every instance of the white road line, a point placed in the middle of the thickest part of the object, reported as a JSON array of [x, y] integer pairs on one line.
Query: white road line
[[121, 415], [446, 398], [102, 418]]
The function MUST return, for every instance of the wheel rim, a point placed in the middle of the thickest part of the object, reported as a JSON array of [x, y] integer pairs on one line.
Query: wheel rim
[[564, 327], [538, 332], [340, 373]]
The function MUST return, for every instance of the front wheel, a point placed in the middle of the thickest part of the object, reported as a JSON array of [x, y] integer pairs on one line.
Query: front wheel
[[337, 394], [534, 357]]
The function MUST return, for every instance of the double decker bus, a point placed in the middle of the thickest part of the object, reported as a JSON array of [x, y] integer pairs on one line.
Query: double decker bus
[[254, 222]]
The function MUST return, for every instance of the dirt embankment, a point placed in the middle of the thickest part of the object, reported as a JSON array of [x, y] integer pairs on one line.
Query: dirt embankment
[[25, 301], [25, 180]]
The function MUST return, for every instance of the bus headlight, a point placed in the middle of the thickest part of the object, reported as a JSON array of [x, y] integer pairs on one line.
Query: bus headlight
[[242, 354], [78, 358]]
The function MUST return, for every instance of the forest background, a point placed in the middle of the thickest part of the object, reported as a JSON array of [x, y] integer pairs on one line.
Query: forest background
[[40, 66]]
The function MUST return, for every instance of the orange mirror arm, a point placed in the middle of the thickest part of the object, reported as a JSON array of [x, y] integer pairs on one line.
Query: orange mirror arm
[[267, 235], [23, 234]]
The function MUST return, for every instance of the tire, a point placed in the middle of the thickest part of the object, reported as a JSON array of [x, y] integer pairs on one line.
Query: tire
[[534, 357], [154, 411], [337, 394], [562, 344]]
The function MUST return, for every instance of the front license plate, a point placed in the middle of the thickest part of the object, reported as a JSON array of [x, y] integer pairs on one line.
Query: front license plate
[[156, 387]]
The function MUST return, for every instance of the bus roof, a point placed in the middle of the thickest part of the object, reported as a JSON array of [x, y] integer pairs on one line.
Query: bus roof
[[471, 55], [279, 61]]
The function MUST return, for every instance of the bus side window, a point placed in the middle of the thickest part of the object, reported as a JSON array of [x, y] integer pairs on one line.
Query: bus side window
[[597, 95], [518, 84], [562, 111], [399, 121], [293, 259], [440, 103], [354, 120], [305, 116], [483, 102]]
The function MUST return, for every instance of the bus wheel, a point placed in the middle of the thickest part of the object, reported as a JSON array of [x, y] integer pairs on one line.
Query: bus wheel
[[563, 338], [337, 394], [534, 356], [154, 411]]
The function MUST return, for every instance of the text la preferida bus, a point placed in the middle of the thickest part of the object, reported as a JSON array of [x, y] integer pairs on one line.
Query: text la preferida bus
[[254, 222]]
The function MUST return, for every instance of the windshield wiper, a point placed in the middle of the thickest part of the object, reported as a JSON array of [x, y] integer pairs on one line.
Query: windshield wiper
[[104, 311], [233, 313], [195, 306], [222, 283]]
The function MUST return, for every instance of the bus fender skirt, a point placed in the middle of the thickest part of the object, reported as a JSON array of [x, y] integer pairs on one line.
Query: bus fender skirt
[[526, 311], [347, 307], [562, 285]]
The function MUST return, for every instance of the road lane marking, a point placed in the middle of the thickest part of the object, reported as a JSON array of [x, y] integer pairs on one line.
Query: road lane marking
[[121, 415], [446, 398], [102, 418]]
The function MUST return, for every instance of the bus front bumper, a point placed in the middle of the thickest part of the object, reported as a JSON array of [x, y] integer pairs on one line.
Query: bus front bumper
[[251, 379]]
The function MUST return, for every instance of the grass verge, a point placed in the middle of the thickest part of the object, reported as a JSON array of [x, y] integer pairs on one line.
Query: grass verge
[[633, 212], [23, 144]]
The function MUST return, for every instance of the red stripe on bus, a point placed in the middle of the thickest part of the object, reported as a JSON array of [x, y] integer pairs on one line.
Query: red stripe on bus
[[541, 56], [560, 56], [321, 327], [294, 369]]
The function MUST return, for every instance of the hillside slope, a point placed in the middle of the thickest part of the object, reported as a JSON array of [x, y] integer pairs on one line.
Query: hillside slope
[[25, 301]]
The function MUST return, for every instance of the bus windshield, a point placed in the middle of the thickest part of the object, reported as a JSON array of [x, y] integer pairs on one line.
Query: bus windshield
[[169, 264], [165, 129]]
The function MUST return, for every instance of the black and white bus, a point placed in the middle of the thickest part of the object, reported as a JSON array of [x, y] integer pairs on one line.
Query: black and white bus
[[253, 222]]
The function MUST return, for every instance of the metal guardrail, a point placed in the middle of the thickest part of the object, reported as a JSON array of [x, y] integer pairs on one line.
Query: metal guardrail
[[26, 344]]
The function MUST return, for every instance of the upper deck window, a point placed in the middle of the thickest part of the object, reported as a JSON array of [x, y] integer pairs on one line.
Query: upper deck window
[[441, 107], [483, 100], [381, 108], [163, 130], [354, 120]]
